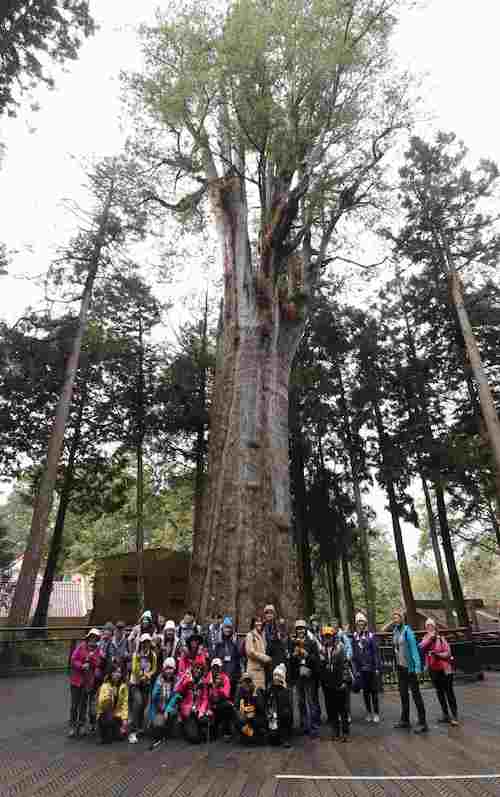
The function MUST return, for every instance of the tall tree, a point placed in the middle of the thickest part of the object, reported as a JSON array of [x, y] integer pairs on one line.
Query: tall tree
[[288, 105]]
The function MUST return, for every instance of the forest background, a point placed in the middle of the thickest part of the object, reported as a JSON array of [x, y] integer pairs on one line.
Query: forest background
[[161, 313]]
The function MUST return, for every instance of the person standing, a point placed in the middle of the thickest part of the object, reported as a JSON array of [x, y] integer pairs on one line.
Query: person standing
[[214, 635], [438, 661], [256, 652], [279, 709], [280, 648], [336, 678], [118, 648], [367, 666], [304, 666], [85, 663], [171, 647], [144, 669], [228, 651], [409, 666]]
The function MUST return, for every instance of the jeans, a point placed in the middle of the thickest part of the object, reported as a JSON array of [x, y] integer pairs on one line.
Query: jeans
[[308, 700], [443, 684], [408, 681], [139, 696], [337, 710], [369, 684]]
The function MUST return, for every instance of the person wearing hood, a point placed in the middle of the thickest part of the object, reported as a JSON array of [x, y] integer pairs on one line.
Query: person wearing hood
[[214, 635], [164, 704], [171, 646], [187, 627], [112, 707], [118, 647], [336, 678], [367, 666], [85, 662], [409, 666], [269, 628], [251, 711], [304, 666], [144, 626], [193, 652], [257, 658], [144, 669], [194, 687], [220, 700], [279, 709], [439, 663], [228, 651]]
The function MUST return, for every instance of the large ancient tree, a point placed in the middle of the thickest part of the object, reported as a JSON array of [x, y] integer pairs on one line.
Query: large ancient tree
[[280, 113]]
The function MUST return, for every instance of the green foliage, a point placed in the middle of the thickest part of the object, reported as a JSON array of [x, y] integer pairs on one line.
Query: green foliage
[[32, 33], [7, 547]]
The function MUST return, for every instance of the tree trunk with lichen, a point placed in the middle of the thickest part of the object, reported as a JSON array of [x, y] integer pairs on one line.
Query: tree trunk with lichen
[[243, 554]]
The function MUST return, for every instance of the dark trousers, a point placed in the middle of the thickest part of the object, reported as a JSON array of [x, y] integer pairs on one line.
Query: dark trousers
[[139, 696], [224, 717], [79, 702], [408, 681], [109, 729], [258, 726], [369, 683], [443, 684], [336, 709], [308, 700], [162, 727]]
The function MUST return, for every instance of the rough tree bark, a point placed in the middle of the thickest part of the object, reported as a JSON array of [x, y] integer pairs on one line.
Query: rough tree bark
[[25, 588], [243, 555], [347, 589], [301, 527]]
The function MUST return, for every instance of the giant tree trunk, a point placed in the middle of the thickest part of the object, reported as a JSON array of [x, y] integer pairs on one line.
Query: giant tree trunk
[[243, 555], [449, 554]]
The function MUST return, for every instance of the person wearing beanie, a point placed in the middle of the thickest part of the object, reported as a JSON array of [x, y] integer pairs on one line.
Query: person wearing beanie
[[409, 665], [439, 663], [143, 672], [220, 699], [367, 667], [304, 671], [228, 651], [144, 626], [336, 678], [164, 704], [279, 710], [171, 646]]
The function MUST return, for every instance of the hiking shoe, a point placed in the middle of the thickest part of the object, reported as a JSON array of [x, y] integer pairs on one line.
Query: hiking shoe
[[227, 738], [454, 722], [345, 739], [349, 719], [73, 733], [421, 729], [287, 745], [376, 718], [154, 745], [402, 724], [369, 718], [132, 739], [444, 720]]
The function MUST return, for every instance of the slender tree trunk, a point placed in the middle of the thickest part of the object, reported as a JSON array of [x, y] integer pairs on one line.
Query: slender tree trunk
[[25, 588], [433, 534], [40, 617], [449, 554], [333, 581], [348, 598], [299, 493], [404, 572], [140, 469], [200, 444], [243, 555]]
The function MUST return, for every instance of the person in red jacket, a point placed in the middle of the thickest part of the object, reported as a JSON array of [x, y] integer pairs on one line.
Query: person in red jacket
[[85, 662], [194, 652], [439, 661], [220, 697]]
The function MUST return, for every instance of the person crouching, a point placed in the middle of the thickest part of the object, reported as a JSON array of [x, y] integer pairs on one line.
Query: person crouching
[[141, 678], [112, 707], [194, 687], [335, 677], [220, 697], [279, 709], [251, 705], [164, 704]]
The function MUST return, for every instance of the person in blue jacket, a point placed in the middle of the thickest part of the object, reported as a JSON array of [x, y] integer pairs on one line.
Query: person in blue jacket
[[409, 665]]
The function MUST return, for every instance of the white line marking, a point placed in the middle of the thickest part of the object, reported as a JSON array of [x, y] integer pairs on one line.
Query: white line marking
[[491, 776]]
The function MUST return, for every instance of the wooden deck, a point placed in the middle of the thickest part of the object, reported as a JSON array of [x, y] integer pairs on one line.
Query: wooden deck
[[36, 758]]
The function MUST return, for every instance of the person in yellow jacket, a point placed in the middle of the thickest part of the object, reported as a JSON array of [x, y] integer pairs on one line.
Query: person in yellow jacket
[[112, 708], [142, 675]]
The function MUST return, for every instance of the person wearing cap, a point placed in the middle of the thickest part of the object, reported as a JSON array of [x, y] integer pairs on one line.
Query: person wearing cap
[[171, 646], [164, 703], [194, 653], [112, 707], [279, 708], [194, 687], [367, 666], [409, 666], [187, 627], [118, 648], [257, 658], [144, 669], [251, 711], [336, 678], [220, 700], [439, 663], [85, 661], [304, 670], [228, 651]]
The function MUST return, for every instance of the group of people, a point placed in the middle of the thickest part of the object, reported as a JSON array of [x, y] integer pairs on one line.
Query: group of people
[[159, 674]]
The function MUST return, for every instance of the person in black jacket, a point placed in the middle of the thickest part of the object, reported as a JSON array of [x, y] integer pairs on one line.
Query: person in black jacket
[[228, 651], [280, 648], [279, 709], [250, 705], [336, 677], [304, 666]]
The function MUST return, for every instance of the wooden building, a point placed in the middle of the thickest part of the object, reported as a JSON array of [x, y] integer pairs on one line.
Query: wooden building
[[166, 578]]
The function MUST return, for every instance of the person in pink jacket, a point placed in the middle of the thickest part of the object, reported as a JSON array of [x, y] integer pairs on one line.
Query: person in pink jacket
[[194, 686], [220, 698], [439, 663], [85, 662]]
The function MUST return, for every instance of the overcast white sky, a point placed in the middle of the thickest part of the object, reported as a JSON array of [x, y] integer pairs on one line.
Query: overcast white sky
[[454, 41]]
